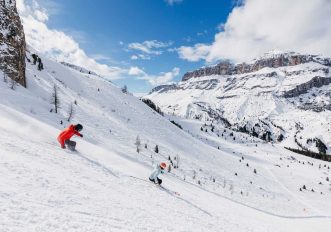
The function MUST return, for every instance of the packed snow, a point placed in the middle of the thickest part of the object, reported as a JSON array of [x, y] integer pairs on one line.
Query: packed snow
[[221, 183]]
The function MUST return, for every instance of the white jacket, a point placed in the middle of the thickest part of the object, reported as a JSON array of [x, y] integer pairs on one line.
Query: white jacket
[[156, 172]]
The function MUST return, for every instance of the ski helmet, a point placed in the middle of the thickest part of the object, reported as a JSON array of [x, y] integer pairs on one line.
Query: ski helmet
[[163, 165], [78, 127]]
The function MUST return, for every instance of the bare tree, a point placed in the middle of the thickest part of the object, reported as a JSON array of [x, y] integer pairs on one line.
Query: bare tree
[[71, 112], [138, 143], [55, 98]]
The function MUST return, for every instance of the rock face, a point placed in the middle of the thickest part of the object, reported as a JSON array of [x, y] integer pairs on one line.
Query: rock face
[[12, 42], [271, 61], [305, 87]]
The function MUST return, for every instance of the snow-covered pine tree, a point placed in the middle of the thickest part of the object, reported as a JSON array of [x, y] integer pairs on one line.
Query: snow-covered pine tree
[[138, 143], [177, 158]]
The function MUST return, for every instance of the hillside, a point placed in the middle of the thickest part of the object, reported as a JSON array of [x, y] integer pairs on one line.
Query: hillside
[[103, 186], [279, 97]]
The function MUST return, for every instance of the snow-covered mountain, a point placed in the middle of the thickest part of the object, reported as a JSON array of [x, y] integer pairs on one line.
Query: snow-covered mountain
[[104, 186], [279, 97], [219, 179]]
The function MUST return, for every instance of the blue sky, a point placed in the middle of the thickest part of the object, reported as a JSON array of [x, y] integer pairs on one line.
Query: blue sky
[[105, 28], [145, 43]]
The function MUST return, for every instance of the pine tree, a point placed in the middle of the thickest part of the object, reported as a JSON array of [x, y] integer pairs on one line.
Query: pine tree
[[40, 64], [124, 89], [35, 58]]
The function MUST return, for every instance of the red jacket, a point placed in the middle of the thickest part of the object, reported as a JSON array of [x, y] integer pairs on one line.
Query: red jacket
[[67, 134]]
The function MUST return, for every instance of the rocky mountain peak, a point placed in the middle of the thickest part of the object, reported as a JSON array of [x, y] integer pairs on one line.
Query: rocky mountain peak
[[12, 42], [271, 60]]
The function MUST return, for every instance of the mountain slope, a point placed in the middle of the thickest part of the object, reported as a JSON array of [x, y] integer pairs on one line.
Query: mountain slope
[[283, 97], [103, 187]]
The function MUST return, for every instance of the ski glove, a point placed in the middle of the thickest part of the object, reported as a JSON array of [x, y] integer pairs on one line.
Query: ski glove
[[81, 135]]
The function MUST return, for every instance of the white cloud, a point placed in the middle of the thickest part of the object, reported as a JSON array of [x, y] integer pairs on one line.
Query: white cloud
[[154, 80], [258, 26], [63, 47], [134, 57], [196, 53], [135, 71], [57, 44], [148, 48], [172, 2], [140, 56]]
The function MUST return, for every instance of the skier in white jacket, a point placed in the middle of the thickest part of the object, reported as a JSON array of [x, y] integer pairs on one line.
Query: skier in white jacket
[[159, 169]]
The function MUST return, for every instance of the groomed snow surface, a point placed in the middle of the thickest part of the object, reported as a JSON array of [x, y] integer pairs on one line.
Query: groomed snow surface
[[104, 185]]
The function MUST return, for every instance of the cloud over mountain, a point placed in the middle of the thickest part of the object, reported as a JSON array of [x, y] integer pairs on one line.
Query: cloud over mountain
[[258, 26]]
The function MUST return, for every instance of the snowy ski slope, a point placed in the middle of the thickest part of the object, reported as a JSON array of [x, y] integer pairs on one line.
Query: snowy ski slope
[[103, 186]]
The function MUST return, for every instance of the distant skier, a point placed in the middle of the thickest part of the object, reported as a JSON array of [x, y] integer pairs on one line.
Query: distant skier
[[159, 169], [65, 135]]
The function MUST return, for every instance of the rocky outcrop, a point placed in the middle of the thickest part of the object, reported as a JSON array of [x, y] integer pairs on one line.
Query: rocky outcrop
[[164, 88], [303, 88], [275, 61], [12, 42]]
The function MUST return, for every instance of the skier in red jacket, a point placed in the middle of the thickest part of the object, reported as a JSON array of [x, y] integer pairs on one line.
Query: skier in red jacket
[[66, 134]]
